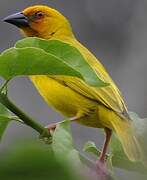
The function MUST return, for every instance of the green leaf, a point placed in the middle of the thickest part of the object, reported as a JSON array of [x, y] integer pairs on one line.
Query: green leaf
[[33, 162], [4, 120], [140, 125], [90, 147], [32, 61], [119, 158], [68, 54], [62, 144], [3, 110]]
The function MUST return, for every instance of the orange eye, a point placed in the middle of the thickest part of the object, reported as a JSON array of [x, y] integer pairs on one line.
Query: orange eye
[[39, 15]]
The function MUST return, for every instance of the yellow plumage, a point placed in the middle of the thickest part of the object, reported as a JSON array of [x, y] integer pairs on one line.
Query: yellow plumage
[[95, 107]]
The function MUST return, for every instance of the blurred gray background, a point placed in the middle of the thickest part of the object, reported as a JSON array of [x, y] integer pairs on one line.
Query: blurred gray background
[[115, 31]]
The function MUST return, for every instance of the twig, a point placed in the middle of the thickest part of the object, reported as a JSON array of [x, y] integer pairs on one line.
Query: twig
[[24, 117]]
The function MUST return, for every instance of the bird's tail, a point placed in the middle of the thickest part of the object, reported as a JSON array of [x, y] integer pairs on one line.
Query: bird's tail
[[128, 139]]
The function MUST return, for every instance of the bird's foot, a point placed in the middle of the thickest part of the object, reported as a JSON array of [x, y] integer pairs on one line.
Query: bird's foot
[[51, 127], [102, 170]]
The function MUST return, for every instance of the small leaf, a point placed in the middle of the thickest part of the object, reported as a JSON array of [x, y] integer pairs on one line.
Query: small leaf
[[4, 120], [62, 144], [91, 148], [68, 54], [32, 61], [3, 110]]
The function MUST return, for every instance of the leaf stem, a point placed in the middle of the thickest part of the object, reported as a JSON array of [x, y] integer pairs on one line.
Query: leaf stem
[[24, 117]]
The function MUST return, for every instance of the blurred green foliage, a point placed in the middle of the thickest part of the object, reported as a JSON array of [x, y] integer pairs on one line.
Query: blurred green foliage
[[33, 162]]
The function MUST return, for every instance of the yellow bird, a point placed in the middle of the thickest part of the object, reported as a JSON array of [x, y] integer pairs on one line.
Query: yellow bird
[[91, 106]]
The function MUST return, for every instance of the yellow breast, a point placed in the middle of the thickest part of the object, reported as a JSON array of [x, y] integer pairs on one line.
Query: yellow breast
[[61, 97]]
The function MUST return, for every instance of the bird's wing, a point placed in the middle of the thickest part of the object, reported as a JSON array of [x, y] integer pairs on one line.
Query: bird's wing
[[109, 96]]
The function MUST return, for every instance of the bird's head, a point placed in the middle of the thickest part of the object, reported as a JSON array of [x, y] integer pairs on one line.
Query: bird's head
[[41, 21]]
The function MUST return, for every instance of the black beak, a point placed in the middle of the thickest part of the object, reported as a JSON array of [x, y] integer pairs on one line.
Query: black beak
[[18, 19]]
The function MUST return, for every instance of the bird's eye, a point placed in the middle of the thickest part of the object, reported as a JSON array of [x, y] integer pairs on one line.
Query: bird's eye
[[39, 15]]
